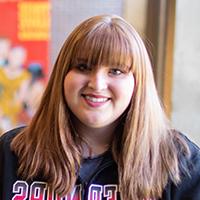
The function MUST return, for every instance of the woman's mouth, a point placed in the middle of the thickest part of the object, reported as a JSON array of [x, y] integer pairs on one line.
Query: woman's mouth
[[95, 100]]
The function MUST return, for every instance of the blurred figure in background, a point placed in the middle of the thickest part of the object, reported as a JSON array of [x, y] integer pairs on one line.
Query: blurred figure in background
[[12, 78], [31, 92], [5, 45]]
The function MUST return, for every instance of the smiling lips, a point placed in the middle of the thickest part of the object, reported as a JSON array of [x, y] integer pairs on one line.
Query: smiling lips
[[95, 100]]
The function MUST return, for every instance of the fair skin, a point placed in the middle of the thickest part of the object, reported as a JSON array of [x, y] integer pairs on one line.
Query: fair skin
[[97, 98]]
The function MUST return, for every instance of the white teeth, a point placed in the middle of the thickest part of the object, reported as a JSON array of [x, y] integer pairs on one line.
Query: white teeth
[[96, 100]]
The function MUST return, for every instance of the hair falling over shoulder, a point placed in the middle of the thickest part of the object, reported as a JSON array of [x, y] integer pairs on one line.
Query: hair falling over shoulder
[[146, 150]]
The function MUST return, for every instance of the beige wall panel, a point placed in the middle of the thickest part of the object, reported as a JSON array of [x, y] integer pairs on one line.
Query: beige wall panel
[[135, 12]]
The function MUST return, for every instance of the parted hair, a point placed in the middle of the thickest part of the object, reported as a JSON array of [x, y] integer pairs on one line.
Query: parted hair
[[146, 149]]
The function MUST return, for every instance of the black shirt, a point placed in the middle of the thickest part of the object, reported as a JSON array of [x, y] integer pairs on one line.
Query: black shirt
[[98, 178]]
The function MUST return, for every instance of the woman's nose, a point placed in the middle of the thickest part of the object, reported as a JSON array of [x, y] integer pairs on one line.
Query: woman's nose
[[97, 81]]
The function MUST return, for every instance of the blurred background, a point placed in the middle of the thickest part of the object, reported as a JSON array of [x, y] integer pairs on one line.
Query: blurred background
[[32, 32]]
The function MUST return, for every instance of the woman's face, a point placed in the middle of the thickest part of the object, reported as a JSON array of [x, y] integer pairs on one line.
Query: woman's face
[[98, 96]]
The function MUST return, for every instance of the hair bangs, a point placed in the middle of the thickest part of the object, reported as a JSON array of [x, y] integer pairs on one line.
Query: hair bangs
[[104, 46]]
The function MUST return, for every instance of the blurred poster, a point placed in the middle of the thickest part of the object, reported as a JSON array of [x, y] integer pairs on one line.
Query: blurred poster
[[24, 43]]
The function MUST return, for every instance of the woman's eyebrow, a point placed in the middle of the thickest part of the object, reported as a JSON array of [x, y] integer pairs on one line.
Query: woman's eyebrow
[[82, 60], [122, 66]]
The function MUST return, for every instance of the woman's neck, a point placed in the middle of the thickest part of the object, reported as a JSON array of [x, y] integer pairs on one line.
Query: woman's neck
[[95, 141]]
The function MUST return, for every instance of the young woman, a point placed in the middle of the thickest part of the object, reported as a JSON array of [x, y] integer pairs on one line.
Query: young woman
[[100, 132]]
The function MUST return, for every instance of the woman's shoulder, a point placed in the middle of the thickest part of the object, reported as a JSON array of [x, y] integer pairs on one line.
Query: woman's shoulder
[[7, 137], [189, 164], [194, 150], [189, 185]]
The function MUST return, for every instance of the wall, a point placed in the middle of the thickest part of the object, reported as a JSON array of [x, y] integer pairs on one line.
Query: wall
[[134, 11], [186, 79], [67, 14]]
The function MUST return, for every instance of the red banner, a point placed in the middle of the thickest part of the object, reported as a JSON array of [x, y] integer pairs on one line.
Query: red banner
[[24, 58], [27, 23]]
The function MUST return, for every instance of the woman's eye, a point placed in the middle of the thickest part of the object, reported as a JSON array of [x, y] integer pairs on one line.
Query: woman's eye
[[116, 71], [83, 67]]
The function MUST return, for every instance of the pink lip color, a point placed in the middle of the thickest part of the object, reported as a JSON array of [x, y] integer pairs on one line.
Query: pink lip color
[[95, 95], [95, 104]]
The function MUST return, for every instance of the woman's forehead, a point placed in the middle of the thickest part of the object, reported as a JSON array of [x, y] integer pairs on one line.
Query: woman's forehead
[[126, 64], [101, 55], [102, 47]]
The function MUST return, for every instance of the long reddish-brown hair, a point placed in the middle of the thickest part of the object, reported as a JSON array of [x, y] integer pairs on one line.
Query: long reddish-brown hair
[[145, 150]]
